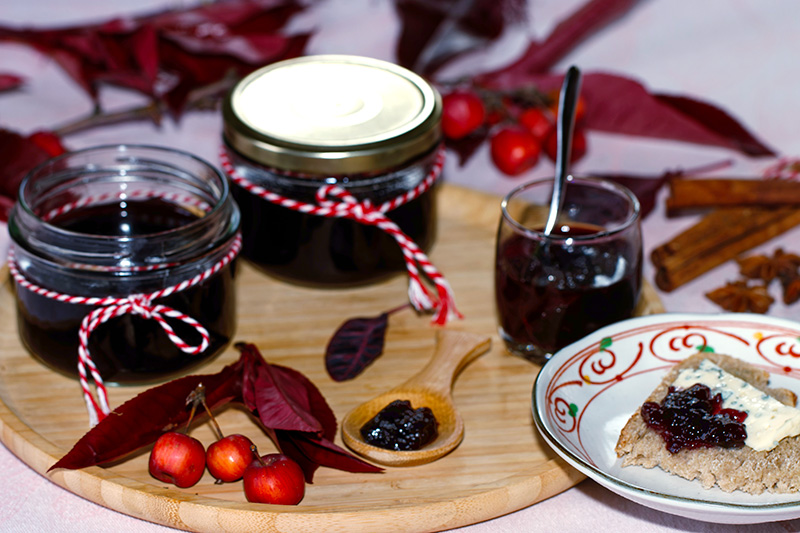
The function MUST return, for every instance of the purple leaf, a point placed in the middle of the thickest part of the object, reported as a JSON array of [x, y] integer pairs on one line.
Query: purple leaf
[[436, 31], [168, 55], [10, 81], [142, 419], [466, 147], [19, 155], [355, 345], [541, 56], [311, 452], [718, 121]]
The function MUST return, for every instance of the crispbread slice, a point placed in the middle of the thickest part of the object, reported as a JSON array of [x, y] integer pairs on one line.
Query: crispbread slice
[[776, 470]]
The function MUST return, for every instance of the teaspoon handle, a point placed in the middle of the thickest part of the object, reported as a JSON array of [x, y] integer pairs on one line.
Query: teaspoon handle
[[567, 102], [454, 351]]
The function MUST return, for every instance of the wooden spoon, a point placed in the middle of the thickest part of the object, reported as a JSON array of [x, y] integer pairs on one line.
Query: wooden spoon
[[431, 387]]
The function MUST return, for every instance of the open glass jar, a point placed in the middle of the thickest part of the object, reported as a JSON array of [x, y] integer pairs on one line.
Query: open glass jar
[[141, 240], [368, 127]]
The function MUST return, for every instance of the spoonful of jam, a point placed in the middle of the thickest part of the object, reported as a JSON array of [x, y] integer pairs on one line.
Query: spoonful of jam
[[416, 422]]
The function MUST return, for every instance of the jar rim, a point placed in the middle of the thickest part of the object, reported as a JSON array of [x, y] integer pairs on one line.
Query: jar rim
[[31, 228], [32, 174], [359, 115], [632, 218]]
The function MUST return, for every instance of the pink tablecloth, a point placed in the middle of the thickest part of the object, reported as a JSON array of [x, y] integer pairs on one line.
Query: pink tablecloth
[[740, 54]]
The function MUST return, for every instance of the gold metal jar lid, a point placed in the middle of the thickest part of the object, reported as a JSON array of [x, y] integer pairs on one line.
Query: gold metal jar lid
[[332, 115]]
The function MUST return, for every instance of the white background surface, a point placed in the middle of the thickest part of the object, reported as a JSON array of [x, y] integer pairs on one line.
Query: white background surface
[[739, 54]]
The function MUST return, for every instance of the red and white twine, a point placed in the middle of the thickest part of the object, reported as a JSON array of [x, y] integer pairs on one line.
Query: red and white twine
[[109, 307], [787, 168], [335, 201]]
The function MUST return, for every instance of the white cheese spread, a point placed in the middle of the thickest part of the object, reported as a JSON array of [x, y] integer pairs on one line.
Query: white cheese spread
[[768, 420]]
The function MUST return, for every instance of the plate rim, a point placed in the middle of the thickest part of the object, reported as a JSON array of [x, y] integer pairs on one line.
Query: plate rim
[[631, 490]]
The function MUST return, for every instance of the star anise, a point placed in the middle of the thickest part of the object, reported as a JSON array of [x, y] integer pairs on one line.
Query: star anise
[[765, 268], [791, 289], [739, 297]]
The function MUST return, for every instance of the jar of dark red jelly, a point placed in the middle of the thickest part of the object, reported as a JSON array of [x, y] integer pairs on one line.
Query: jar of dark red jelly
[[141, 232], [367, 126]]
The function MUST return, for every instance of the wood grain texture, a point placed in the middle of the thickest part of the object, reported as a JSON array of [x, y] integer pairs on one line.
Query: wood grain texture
[[501, 465]]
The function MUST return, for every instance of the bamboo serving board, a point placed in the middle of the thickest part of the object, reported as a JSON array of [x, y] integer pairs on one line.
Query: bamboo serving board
[[501, 466]]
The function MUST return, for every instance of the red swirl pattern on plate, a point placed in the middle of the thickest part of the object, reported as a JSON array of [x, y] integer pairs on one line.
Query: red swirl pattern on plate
[[674, 344], [776, 348]]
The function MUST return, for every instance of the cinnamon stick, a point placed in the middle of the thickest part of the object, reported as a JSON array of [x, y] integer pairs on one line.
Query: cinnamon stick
[[703, 193], [719, 237], [702, 235]]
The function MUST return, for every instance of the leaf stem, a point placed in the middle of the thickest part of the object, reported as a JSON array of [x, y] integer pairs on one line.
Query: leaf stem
[[398, 308], [98, 118], [202, 98]]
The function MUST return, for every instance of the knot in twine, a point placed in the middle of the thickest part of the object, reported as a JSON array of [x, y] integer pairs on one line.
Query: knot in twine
[[133, 304], [335, 202]]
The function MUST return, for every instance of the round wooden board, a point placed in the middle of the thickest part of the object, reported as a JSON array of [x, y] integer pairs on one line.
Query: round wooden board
[[501, 466]]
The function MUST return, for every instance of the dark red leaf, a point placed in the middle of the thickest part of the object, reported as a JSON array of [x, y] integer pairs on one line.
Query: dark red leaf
[[312, 452], [314, 401], [355, 345], [142, 419], [645, 188], [434, 32], [540, 57], [717, 121], [19, 155], [9, 82], [167, 55], [466, 147], [279, 396], [620, 105]]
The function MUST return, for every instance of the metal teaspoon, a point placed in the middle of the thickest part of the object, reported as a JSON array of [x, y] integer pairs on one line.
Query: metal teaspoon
[[567, 102]]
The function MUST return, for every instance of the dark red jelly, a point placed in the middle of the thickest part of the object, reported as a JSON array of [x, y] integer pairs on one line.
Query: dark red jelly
[[366, 126], [322, 251], [693, 418], [128, 348], [400, 427], [551, 298]]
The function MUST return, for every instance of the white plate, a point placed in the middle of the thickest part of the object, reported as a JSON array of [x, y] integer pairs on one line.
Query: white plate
[[584, 395]]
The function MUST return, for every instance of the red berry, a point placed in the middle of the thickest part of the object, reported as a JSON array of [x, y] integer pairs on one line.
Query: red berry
[[274, 478], [463, 112], [579, 145], [536, 121], [48, 141], [228, 458], [580, 106], [178, 459], [514, 150]]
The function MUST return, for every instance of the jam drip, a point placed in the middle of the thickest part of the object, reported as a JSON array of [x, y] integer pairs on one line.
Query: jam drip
[[400, 427], [692, 418]]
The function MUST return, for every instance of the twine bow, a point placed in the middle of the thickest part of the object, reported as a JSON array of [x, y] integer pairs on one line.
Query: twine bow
[[141, 305], [335, 201], [134, 304]]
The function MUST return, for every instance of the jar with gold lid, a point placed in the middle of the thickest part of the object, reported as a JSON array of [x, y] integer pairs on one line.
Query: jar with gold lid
[[360, 130]]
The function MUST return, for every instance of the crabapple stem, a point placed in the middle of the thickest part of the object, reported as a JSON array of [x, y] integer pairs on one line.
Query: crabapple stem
[[214, 424], [254, 449], [198, 396], [189, 422]]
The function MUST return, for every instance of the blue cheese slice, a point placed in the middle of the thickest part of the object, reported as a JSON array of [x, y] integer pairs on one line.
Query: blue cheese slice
[[768, 420]]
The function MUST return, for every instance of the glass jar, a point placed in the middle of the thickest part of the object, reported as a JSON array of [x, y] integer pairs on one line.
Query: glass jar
[[367, 126], [116, 224]]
